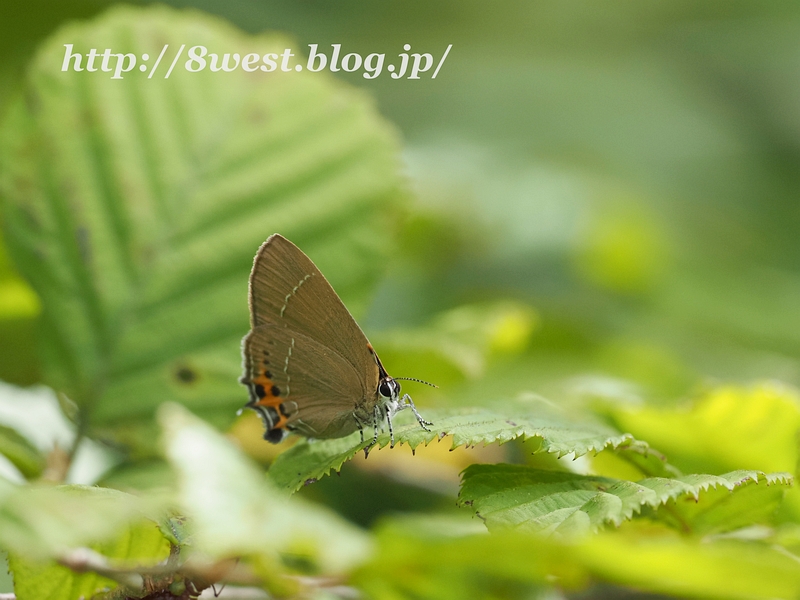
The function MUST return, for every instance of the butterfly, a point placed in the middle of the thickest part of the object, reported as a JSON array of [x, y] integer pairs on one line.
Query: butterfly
[[308, 366]]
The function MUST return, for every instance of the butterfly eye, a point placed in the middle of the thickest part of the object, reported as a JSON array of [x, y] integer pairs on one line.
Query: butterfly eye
[[386, 388]]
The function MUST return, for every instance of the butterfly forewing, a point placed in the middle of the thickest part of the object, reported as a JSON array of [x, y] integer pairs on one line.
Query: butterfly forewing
[[288, 290]]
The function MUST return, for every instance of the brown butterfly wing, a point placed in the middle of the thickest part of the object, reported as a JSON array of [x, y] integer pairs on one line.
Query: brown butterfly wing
[[330, 372], [297, 384], [287, 289]]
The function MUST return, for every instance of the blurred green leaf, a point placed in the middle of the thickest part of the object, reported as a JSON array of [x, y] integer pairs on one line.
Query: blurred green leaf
[[43, 522], [19, 307], [420, 558], [139, 475], [17, 300], [6, 488], [139, 545], [6, 580], [234, 511], [519, 497], [37, 414], [134, 208], [683, 567], [708, 434], [728, 427], [22, 454], [465, 336], [554, 431]]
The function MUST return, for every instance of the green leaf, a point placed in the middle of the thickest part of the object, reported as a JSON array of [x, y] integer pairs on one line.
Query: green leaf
[[234, 511], [709, 435], [729, 501], [429, 558], [555, 433], [140, 544], [685, 567], [729, 427], [436, 559], [643, 458], [22, 454], [6, 489], [528, 499], [134, 207], [19, 307], [43, 522]]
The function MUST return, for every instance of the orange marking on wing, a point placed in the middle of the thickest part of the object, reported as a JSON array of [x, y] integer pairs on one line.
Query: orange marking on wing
[[269, 394]]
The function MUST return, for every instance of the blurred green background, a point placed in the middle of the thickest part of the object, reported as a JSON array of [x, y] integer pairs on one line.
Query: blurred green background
[[629, 170], [627, 174], [601, 201]]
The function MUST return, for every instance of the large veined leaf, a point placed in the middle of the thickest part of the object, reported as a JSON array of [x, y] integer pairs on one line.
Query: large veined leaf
[[134, 206], [528, 499], [554, 431]]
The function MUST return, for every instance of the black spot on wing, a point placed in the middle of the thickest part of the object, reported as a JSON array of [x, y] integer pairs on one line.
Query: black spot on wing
[[275, 436]]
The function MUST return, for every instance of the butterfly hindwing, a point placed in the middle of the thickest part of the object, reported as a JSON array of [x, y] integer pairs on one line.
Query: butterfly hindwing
[[298, 384]]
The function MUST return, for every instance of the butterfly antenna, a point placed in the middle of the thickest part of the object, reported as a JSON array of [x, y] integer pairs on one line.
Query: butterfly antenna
[[417, 380]]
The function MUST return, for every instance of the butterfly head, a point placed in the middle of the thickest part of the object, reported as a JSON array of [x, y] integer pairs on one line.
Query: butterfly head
[[388, 388]]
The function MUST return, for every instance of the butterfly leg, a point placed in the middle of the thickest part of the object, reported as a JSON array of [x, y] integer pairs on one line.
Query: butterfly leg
[[409, 403], [360, 426], [377, 417], [391, 431]]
